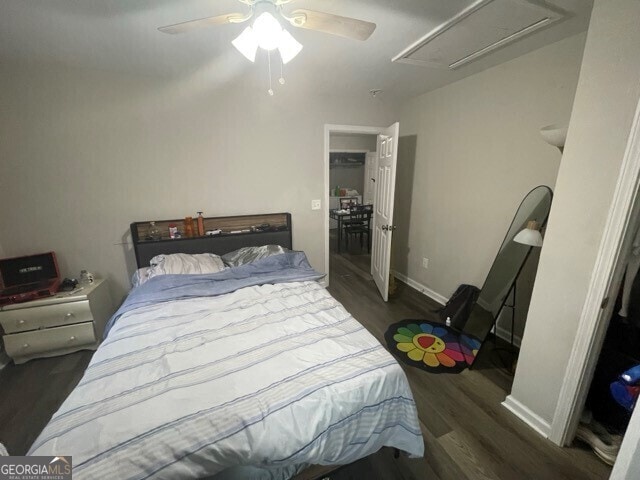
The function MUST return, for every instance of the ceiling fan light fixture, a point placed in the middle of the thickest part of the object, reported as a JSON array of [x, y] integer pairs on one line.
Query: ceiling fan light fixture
[[247, 43], [288, 46], [268, 31]]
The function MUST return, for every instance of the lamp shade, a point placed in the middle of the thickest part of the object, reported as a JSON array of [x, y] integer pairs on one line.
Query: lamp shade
[[267, 34], [268, 31], [247, 43], [530, 235], [289, 47], [554, 135]]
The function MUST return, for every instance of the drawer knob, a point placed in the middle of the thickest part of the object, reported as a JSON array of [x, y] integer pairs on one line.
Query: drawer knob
[[26, 345], [68, 315], [20, 322], [72, 338]]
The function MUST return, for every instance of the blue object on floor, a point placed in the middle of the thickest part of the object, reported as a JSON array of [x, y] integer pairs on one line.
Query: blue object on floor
[[626, 389], [631, 376]]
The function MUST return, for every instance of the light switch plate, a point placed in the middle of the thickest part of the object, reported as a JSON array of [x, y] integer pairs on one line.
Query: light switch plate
[[316, 204]]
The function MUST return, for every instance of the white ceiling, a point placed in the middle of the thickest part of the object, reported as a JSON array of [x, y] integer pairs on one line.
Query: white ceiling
[[122, 35]]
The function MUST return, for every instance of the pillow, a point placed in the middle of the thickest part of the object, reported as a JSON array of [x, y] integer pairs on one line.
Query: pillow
[[251, 254], [140, 276], [184, 263]]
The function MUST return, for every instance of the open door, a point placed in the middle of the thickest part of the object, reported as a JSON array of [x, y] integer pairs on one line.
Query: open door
[[383, 208], [370, 164]]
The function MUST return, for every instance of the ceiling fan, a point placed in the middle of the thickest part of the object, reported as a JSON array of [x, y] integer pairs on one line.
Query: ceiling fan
[[267, 33]]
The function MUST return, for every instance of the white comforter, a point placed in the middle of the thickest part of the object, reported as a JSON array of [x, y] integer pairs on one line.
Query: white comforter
[[275, 377]]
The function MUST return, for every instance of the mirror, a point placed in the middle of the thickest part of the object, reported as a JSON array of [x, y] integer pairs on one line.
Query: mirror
[[507, 265]]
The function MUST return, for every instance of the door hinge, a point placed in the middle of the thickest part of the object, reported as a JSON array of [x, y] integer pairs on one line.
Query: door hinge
[[605, 302]]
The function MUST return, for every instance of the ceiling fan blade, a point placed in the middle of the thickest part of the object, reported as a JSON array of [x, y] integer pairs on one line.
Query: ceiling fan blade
[[203, 23], [332, 24]]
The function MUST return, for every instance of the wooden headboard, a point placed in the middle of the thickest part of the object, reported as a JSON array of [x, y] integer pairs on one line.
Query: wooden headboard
[[275, 230]]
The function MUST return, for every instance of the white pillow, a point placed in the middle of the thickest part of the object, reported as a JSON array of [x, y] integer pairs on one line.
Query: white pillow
[[183, 263], [140, 276], [251, 254]]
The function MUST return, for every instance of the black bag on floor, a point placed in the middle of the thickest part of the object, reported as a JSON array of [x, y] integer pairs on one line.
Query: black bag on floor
[[459, 306]]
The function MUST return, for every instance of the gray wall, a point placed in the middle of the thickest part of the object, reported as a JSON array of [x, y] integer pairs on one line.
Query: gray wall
[[627, 464], [86, 152], [605, 103], [352, 141], [469, 153], [350, 177], [347, 177]]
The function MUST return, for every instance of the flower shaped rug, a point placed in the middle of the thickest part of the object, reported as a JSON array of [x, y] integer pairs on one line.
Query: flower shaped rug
[[431, 346]]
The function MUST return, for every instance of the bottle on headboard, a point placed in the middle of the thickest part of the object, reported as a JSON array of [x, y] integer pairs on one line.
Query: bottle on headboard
[[188, 227], [154, 231], [200, 224]]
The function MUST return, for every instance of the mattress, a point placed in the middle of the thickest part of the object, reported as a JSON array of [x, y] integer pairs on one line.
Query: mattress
[[265, 378]]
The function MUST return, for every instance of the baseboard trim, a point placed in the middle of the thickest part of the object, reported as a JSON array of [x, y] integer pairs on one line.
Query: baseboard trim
[[421, 288], [505, 334], [532, 419], [500, 331]]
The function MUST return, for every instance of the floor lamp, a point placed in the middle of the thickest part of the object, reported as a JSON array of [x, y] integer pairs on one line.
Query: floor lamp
[[532, 237], [555, 135]]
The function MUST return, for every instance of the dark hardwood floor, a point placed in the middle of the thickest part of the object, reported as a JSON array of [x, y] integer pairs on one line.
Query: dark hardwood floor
[[467, 433], [32, 392]]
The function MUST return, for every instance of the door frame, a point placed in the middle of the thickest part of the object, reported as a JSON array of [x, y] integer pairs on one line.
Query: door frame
[[606, 273], [330, 128]]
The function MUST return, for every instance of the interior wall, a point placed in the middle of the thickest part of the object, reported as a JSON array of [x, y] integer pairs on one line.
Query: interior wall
[[606, 99], [469, 153], [347, 177], [86, 152], [352, 141]]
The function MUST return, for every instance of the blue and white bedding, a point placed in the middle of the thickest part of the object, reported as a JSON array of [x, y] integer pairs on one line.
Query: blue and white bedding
[[233, 374]]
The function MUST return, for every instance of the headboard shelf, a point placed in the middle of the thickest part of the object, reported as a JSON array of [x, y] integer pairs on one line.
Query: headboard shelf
[[248, 230]]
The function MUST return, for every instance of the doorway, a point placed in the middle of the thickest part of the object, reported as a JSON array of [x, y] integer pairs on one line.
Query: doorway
[[352, 172], [378, 216], [350, 140]]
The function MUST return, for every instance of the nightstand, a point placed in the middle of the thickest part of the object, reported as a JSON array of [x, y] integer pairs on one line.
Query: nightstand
[[64, 323]]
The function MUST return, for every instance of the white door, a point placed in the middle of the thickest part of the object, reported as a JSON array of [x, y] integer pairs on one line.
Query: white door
[[383, 208], [370, 177]]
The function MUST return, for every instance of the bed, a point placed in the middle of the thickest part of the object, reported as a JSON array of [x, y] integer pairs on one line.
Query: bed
[[254, 371]]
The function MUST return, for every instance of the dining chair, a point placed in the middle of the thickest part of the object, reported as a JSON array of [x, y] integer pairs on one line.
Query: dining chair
[[359, 225]]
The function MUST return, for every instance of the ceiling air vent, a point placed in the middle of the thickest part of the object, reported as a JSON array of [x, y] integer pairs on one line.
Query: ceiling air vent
[[482, 27]]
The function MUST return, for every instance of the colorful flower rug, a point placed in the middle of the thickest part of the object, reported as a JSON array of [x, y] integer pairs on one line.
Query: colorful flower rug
[[431, 346]]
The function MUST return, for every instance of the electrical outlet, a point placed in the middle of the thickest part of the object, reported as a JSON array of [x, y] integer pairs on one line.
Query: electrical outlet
[[316, 204], [425, 263]]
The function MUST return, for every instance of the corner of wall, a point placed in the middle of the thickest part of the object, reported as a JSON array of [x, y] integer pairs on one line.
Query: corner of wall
[[535, 421], [601, 121], [432, 294]]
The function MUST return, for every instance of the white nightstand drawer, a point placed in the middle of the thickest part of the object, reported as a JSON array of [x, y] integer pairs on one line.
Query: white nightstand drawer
[[51, 339], [33, 318]]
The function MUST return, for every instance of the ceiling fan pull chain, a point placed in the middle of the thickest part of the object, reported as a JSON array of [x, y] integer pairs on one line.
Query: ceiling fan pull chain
[[281, 79], [269, 61]]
